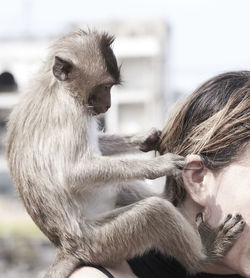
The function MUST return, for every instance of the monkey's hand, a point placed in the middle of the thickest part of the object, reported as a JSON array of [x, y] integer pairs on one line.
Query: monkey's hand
[[168, 164], [152, 141], [218, 241]]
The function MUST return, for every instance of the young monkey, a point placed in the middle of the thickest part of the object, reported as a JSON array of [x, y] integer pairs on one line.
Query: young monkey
[[86, 201]]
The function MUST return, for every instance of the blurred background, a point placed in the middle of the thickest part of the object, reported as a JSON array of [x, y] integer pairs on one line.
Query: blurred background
[[166, 48]]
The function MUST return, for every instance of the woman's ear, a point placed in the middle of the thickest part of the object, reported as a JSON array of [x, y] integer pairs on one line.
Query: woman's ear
[[193, 177]]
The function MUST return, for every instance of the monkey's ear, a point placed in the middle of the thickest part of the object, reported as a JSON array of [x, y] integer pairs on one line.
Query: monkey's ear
[[62, 68]]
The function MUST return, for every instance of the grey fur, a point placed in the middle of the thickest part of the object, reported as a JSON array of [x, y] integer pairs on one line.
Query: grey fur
[[73, 192]]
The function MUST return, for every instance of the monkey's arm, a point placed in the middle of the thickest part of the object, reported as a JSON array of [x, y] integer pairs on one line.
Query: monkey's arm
[[101, 170], [111, 144]]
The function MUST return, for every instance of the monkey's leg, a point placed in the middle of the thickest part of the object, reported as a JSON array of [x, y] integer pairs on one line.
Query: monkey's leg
[[63, 266], [134, 229], [128, 194], [111, 144]]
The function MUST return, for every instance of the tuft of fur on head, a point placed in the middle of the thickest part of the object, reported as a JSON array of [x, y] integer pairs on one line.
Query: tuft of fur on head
[[105, 45]]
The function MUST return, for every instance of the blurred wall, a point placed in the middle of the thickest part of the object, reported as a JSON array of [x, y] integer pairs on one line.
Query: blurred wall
[[206, 37]]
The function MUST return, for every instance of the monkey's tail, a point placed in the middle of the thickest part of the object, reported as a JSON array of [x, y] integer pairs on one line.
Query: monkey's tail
[[63, 266]]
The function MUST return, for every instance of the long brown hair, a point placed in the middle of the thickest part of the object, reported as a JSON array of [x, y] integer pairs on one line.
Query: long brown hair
[[214, 122]]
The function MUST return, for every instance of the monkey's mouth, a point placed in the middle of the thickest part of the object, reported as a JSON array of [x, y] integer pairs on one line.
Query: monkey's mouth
[[96, 110]]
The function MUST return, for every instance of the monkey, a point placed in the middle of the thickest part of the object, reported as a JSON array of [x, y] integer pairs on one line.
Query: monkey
[[89, 202]]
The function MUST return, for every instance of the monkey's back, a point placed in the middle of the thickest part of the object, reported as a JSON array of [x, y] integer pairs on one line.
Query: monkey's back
[[41, 147]]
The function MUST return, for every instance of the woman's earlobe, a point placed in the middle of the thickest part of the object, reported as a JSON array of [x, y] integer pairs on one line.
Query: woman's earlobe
[[193, 177]]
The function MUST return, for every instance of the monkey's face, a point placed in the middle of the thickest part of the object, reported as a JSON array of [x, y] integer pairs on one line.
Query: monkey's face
[[100, 99], [88, 69]]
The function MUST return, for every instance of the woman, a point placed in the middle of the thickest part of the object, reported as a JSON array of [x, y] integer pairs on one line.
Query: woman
[[212, 129]]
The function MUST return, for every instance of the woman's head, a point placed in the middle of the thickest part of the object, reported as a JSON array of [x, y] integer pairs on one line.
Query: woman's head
[[213, 122], [212, 129]]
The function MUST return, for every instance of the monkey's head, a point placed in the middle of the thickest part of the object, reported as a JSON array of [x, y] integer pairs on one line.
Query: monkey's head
[[85, 65]]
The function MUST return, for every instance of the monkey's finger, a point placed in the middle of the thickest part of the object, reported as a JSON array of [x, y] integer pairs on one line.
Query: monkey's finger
[[174, 157], [176, 172], [237, 229], [229, 216], [199, 218], [179, 162], [230, 222]]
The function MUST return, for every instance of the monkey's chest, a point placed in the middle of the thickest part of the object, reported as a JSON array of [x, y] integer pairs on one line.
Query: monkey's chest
[[99, 201]]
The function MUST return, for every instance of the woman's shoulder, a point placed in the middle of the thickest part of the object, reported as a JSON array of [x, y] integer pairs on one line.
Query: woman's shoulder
[[121, 270], [88, 271]]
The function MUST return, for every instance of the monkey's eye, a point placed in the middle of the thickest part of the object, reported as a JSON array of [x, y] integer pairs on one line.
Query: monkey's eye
[[107, 87]]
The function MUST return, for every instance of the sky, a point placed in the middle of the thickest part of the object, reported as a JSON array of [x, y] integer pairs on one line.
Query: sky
[[206, 36]]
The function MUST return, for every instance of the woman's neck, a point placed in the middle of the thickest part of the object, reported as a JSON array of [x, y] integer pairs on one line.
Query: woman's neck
[[190, 209]]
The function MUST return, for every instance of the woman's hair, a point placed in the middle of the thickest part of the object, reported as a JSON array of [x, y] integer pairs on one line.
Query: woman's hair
[[214, 122]]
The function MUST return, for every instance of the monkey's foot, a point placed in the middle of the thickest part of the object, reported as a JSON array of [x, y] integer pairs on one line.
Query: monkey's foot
[[218, 241]]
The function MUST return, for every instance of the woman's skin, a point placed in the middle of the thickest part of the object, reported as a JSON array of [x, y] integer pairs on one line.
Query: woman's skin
[[219, 194], [120, 271], [216, 194]]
